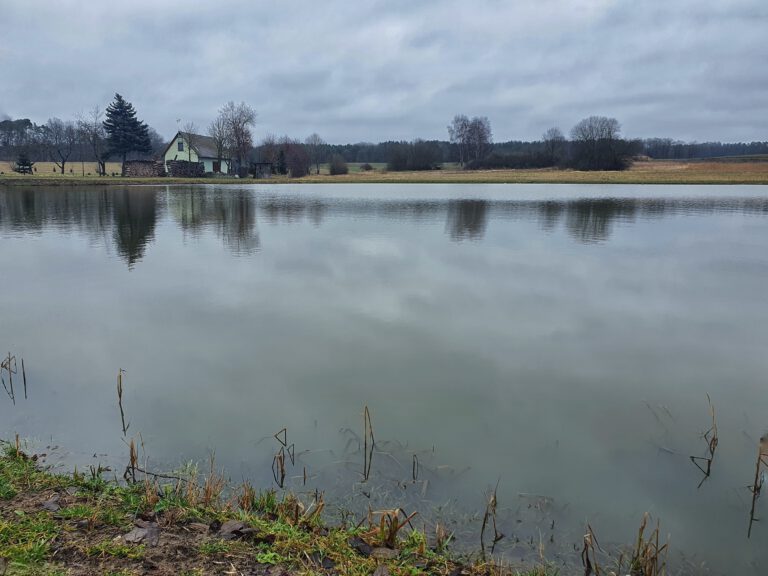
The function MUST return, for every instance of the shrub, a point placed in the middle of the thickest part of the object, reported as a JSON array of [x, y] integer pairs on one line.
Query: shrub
[[338, 165]]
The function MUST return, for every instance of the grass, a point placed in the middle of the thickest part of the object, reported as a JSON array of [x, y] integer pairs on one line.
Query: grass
[[84, 535], [650, 172]]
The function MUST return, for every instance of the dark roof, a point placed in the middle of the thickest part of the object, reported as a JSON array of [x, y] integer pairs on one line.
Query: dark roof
[[205, 146]]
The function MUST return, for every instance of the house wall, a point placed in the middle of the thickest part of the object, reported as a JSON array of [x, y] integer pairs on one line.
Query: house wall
[[174, 154], [208, 162]]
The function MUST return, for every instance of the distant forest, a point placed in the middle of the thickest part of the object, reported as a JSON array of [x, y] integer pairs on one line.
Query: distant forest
[[656, 148]]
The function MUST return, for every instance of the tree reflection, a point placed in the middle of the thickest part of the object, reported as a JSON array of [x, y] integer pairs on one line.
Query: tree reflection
[[231, 214], [135, 214], [592, 220], [467, 219], [127, 217]]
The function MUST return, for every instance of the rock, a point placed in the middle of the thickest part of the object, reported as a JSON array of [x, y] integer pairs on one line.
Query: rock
[[381, 571], [322, 561], [52, 504], [149, 534], [235, 530], [384, 553], [198, 527], [360, 546]]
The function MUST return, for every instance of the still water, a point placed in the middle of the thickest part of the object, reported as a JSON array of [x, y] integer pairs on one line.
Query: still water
[[558, 340]]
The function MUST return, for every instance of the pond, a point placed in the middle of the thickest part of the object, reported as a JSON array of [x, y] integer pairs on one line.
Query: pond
[[557, 341]]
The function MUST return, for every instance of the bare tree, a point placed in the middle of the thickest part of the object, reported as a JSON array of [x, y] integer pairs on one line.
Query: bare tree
[[221, 139], [472, 137], [188, 131], [60, 139], [316, 149], [458, 131], [269, 149], [596, 128], [238, 120], [596, 144], [554, 145], [479, 137], [92, 133], [297, 158]]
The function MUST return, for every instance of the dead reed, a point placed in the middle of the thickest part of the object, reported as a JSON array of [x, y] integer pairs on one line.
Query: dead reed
[[490, 514], [649, 557], [389, 525], [120, 373], [761, 468], [278, 461], [8, 366], [589, 553], [368, 444], [704, 463]]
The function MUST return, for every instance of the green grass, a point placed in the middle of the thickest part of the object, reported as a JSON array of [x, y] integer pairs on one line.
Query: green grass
[[284, 536], [116, 550], [25, 538]]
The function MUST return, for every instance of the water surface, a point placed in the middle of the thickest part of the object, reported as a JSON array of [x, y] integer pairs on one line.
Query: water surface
[[560, 340]]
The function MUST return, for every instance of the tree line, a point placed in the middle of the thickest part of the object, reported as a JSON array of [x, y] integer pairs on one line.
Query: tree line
[[594, 143]]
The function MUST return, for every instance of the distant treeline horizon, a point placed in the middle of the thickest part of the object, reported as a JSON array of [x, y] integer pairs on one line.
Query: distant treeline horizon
[[656, 148], [15, 137]]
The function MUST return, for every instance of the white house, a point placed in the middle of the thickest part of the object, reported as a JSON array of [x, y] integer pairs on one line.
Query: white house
[[195, 148]]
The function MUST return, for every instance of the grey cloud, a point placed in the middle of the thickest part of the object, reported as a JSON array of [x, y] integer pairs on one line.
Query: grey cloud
[[383, 70]]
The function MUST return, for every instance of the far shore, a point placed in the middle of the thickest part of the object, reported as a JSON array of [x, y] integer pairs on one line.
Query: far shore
[[647, 172]]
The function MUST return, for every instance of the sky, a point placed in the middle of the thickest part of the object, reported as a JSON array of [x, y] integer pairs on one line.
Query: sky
[[375, 70]]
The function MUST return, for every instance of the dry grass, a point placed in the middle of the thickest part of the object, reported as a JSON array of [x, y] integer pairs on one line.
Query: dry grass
[[651, 172], [49, 169]]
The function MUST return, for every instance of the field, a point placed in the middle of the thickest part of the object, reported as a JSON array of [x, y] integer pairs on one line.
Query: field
[[73, 169], [752, 171]]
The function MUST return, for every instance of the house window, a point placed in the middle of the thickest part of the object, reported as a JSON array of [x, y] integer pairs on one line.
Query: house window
[[181, 146]]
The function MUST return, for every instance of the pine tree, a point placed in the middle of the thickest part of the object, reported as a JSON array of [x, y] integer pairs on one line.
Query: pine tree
[[125, 132], [23, 164]]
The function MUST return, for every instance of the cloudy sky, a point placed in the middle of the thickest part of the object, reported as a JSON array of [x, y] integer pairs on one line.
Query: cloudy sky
[[373, 70]]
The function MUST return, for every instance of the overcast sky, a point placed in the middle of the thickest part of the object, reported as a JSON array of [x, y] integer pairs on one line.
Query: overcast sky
[[373, 70]]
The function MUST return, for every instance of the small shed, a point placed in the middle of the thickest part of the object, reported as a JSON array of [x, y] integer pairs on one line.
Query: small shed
[[261, 169]]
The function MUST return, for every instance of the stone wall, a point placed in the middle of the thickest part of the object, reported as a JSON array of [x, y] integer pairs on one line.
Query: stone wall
[[144, 169]]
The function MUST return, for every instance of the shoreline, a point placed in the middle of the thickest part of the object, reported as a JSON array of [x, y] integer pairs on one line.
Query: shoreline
[[650, 173], [81, 523]]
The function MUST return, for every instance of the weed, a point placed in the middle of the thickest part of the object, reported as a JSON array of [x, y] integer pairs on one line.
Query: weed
[[25, 538], [214, 547], [704, 464], [116, 550], [77, 512]]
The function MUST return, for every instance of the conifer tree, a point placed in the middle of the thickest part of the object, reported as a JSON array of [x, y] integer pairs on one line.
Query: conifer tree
[[125, 132]]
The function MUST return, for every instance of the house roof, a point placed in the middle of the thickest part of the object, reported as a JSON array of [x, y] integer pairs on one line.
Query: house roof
[[205, 146]]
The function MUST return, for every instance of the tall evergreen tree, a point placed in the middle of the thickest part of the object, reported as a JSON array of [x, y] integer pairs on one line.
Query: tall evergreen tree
[[125, 132]]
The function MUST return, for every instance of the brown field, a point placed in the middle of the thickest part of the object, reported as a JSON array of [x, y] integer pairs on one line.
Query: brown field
[[73, 169], [650, 172]]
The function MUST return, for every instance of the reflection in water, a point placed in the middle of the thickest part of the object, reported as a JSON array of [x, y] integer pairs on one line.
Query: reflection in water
[[135, 214], [590, 220], [467, 219], [231, 214], [129, 215]]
